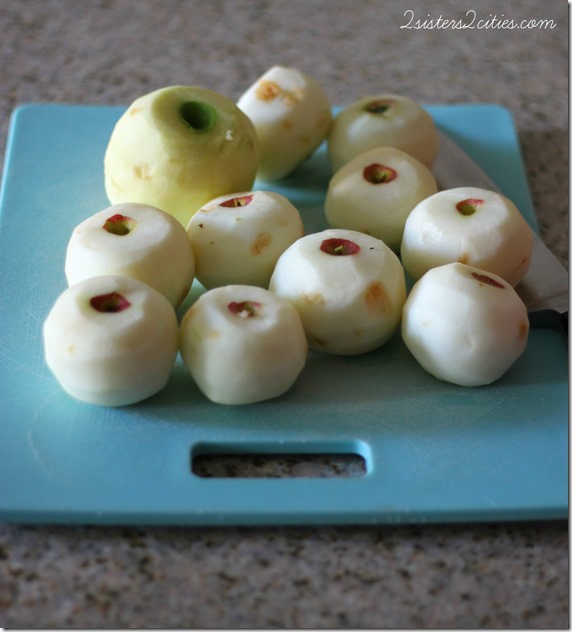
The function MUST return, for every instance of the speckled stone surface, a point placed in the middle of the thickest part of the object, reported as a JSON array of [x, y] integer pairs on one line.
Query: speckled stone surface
[[444, 576]]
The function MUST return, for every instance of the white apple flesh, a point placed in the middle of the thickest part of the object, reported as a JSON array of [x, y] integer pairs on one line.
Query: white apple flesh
[[237, 239], [137, 241], [470, 225], [111, 340], [464, 325], [242, 344], [375, 192], [177, 148], [292, 116], [348, 287], [386, 120]]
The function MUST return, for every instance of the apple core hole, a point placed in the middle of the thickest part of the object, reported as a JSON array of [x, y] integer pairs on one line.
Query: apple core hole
[[110, 303], [197, 115], [469, 206], [242, 200], [244, 309], [339, 247], [379, 174], [487, 280], [379, 106], [119, 224]]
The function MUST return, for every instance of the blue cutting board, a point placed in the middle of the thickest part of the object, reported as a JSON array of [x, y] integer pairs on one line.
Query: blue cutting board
[[433, 451]]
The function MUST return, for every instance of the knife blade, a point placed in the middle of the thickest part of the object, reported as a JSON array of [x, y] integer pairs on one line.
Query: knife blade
[[544, 289]]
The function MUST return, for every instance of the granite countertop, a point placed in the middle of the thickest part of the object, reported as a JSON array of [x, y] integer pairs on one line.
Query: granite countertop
[[460, 576]]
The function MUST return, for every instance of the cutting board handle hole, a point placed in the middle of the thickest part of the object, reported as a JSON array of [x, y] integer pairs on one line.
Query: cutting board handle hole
[[212, 461]]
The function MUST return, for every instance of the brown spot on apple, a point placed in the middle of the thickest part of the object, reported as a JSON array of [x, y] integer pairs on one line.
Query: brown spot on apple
[[142, 172], [523, 329], [313, 299], [291, 97], [376, 299], [267, 90], [464, 258], [262, 241]]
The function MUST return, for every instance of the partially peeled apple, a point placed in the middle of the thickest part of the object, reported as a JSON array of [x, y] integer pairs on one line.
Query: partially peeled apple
[[177, 148]]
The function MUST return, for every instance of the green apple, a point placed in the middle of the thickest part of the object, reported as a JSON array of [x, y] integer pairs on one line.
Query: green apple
[[134, 240], [470, 225], [242, 344], [464, 325], [177, 148], [111, 340], [292, 116], [386, 120], [375, 192]]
